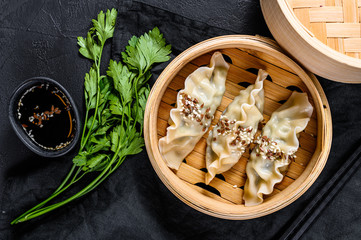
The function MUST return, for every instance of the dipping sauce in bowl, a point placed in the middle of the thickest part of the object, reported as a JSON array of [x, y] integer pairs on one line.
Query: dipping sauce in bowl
[[44, 116]]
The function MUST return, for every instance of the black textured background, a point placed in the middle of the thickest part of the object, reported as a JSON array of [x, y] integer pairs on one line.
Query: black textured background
[[38, 38]]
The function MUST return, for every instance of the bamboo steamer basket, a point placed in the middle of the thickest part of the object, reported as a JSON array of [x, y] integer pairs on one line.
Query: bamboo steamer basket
[[322, 35], [223, 196]]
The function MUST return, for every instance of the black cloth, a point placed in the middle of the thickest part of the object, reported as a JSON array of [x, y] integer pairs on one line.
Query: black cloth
[[133, 203]]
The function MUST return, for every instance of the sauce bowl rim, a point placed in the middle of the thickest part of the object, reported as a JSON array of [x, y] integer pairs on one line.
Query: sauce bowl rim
[[15, 97]]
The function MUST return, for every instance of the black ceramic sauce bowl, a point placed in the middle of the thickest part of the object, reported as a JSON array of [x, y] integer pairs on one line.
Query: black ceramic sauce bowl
[[17, 102]]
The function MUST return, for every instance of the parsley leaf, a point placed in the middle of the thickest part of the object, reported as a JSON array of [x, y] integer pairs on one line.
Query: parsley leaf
[[118, 138], [80, 159], [122, 78], [105, 28], [101, 144], [90, 124], [94, 161], [104, 92], [134, 147], [146, 50], [89, 48], [90, 85], [116, 106]]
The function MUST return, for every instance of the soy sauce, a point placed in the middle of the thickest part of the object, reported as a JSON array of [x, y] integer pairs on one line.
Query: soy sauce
[[46, 115]]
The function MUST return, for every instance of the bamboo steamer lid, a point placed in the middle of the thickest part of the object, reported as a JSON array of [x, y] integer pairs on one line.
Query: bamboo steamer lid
[[223, 196], [322, 35]]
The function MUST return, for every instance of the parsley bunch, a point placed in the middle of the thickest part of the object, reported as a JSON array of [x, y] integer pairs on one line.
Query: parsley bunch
[[115, 105]]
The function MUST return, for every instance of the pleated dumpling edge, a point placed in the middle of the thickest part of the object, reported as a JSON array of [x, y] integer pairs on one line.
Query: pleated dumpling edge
[[196, 105], [276, 148], [235, 130]]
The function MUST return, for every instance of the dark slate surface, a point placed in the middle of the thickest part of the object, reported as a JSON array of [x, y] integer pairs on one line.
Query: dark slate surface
[[38, 38]]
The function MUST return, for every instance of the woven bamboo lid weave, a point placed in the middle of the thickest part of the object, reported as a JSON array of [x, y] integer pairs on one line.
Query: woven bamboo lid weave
[[323, 35]]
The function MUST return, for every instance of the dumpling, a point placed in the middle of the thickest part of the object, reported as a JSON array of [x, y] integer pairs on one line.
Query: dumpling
[[236, 129], [196, 105], [276, 148]]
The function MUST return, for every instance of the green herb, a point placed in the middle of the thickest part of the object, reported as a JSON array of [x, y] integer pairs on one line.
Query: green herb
[[115, 105]]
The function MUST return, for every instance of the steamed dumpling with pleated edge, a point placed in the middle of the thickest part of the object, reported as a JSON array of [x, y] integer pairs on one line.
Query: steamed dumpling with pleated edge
[[276, 148], [236, 129], [196, 105]]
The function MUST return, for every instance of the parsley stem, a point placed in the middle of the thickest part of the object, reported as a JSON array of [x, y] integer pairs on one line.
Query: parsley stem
[[84, 130], [66, 178], [141, 74], [105, 176], [36, 208], [136, 96], [55, 193], [76, 174], [97, 64], [84, 191]]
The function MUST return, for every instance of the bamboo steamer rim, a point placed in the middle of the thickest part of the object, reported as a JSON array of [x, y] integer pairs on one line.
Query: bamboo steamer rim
[[211, 206], [281, 10]]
